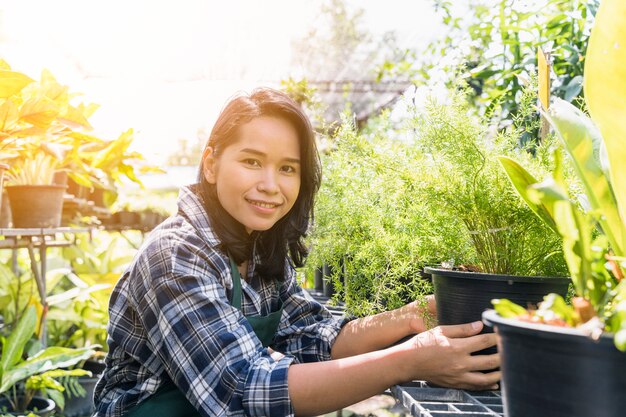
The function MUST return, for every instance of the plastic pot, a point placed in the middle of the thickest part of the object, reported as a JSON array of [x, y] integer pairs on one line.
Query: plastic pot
[[463, 296], [550, 371], [319, 279], [82, 406], [39, 406], [36, 206], [328, 286]]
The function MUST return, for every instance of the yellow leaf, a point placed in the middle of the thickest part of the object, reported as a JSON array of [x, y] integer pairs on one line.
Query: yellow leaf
[[52, 89], [39, 111], [605, 88], [89, 109], [4, 65], [74, 118], [39, 310], [9, 115], [12, 82]]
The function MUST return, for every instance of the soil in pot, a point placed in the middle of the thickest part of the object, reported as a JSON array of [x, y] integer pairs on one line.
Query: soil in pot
[[39, 406], [550, 371], [463, 296], [36, 206]]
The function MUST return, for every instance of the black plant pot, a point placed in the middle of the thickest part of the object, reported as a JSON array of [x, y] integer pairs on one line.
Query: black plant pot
[[550, 371], [39, 406], [82, 406], [463, 296], [319, 279], [127, 218], [328, 285]]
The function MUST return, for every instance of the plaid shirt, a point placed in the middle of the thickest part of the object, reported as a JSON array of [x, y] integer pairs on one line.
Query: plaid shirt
[[171, 320]]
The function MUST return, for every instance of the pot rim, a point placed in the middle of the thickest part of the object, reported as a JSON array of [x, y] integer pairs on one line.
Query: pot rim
[[51, 404], [494, 277], [492, 318], [58, 186]]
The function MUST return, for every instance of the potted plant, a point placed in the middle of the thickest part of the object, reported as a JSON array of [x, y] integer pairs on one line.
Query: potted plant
[[511, 251], [77, 318], [45, 109], [373, 226], [21, 379], [572, 358], [36, 202]]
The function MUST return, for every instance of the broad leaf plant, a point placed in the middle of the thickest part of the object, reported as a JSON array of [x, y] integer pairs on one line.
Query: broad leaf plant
[[593, 225], [21, 375]]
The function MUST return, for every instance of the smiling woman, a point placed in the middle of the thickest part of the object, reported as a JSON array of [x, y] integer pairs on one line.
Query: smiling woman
[[257, 179], [209, 319]]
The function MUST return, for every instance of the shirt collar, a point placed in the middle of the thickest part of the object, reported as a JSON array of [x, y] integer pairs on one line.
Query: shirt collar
[[190, 206]]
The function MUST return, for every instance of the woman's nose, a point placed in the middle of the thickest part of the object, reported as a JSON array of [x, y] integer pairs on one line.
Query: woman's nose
[[268, 182]]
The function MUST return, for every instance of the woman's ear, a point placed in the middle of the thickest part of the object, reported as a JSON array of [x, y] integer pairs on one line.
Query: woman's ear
[[208, 164]]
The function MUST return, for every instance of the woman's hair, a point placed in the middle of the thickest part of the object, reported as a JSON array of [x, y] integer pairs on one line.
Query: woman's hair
[[286, 237]]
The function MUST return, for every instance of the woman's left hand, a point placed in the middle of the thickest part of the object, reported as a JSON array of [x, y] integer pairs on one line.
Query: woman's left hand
[[423, 314]]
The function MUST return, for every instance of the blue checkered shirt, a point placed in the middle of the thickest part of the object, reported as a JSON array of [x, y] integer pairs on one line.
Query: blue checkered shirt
[[171, 321]]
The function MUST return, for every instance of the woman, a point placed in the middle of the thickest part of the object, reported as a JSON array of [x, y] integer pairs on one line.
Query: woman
[[209, 319]]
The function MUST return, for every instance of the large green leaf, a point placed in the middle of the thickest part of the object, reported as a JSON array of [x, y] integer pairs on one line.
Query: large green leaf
[[582, 141], [522, 180], [51, 358], [605, 88], [14, 346]]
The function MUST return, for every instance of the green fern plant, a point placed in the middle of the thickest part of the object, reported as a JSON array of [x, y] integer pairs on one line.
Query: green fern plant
[[39, 170]]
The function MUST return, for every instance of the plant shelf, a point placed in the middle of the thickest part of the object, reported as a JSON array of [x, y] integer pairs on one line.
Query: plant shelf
[[423, 400]]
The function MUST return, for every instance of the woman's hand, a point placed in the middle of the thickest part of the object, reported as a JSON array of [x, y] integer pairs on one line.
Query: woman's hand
[[442, 355], [422, 314]]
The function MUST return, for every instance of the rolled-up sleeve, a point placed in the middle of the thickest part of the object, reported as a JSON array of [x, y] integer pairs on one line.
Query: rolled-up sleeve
[[205, 345], [307, 330]]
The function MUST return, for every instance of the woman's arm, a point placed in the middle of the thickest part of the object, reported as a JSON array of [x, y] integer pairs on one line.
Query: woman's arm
[[441, 355], [381, 330]]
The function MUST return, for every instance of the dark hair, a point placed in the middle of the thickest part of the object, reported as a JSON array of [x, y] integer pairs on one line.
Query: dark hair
[[286, 237]]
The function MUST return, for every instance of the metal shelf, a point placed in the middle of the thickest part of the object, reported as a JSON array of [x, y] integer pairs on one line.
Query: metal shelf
[[42, 239], [423, 400], [336, 310]]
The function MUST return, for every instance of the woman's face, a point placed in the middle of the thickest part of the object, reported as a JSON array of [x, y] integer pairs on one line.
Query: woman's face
[[257, 176]]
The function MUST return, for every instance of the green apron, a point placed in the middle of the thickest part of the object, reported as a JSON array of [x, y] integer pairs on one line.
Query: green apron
[[168, 401]]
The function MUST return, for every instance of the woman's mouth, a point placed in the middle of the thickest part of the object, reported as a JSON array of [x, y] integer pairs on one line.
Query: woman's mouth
[[263, 204]]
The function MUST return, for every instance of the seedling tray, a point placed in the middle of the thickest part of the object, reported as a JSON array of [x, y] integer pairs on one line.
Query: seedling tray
[[423, 400]]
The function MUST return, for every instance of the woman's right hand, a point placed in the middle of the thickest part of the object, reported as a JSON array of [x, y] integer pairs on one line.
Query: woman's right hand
[[442, 355]]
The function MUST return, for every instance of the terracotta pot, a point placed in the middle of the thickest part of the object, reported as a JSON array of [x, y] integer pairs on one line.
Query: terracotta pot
[[36, 206], [5, 211], [3, 168]]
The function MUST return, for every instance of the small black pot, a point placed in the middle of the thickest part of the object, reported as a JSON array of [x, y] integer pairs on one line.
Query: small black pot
[[550, 371], [82, 406], [39, 406], [328, 286], [463, 296], [319, 279]]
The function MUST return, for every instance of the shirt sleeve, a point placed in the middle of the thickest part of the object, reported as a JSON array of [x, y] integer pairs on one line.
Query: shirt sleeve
[[207, 346], [307, 330]]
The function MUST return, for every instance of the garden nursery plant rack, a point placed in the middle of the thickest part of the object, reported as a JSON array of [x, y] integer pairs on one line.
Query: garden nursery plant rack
[[422, 400]]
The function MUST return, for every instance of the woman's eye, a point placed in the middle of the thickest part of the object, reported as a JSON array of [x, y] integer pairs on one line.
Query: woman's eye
[[288, 169], [251, 162]]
